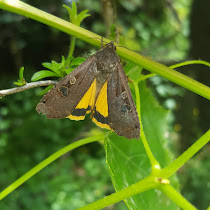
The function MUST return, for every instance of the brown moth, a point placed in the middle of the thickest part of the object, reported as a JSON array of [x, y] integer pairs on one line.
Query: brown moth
[[98, 86]]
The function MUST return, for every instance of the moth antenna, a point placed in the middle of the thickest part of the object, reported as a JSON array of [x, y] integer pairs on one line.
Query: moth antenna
[[102, 46], [101, 39]]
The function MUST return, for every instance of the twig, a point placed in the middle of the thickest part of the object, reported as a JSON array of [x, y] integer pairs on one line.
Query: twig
[[26, 87]]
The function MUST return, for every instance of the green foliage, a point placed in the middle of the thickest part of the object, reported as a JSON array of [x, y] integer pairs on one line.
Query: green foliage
[[68, 182], [74, 18], [58, 69], [21, 81]]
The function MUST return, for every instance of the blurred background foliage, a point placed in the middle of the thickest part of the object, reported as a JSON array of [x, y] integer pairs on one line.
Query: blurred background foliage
[[164, 30]]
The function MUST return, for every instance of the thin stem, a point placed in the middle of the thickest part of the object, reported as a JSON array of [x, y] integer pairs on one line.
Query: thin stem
[[185, 63], [72, 46], [145, 77], [144, 185], [26, 87], [46, 162], [176, 197], [183, 158], [154, 163], [87, 36], [174, 67]]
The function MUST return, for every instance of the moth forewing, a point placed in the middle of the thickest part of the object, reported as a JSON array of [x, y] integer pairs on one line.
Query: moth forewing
[[62, 99]]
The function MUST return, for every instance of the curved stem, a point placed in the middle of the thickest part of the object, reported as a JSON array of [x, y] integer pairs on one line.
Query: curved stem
[[145, 184], [174, 67], [145, 77], [185, 63], [154, 163], [184, 157], [176, 197], [46, 162]]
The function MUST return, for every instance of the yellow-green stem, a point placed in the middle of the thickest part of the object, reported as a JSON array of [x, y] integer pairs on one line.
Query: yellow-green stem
[[154, 163], [176, 197], [184, 157], [143, 185], [46, 162]]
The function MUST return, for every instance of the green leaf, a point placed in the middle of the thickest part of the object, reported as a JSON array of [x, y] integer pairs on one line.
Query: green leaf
[[48, 65], [46, 90], [42, 74], [128, 161], [133, 71], [65, 62], [57, 68], [69, 11], [21, 73], [74, 18], [74, 8], [69, 70], [21, 81], [82, 15], [128, 67], [77, 61]]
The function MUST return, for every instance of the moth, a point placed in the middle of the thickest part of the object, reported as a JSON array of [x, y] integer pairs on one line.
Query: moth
[[98, 86]]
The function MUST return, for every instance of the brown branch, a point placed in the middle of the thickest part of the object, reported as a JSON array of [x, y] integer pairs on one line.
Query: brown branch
[[26, 87]]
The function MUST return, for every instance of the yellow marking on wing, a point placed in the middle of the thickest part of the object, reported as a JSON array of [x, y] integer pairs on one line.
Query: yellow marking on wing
[[87, 100], [101, 124], [92, 97], [77, 118], [101, 105]]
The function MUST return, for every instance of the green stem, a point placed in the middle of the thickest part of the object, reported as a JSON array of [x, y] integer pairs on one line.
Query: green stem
[[72, 46], [183, 158], [185, 63], [87, 36], [145, 184], [154, 163], [174, 67], [145, 77], [176, 197], [46, 162], [166, 72], [71, 49]]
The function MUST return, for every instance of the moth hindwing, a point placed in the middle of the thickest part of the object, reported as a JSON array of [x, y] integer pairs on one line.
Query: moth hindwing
[[98, 86]]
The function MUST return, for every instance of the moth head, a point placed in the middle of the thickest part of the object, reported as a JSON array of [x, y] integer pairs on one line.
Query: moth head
[[111, 46]]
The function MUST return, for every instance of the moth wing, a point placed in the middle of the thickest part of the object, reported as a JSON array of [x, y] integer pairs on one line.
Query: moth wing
[[63, 98], [122, 117]]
